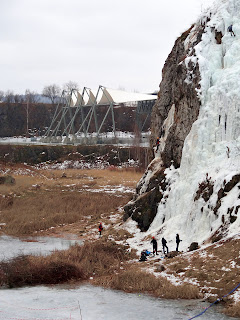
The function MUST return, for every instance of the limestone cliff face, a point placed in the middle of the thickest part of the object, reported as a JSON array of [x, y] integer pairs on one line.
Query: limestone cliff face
[[172, 117], [178, 90]]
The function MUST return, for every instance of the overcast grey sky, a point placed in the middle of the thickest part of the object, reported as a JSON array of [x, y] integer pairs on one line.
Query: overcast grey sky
[[115, 43]]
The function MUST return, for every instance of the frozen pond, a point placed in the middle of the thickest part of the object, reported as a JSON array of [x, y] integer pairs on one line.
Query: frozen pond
[[90, 303], [122, 139], [11, 247]]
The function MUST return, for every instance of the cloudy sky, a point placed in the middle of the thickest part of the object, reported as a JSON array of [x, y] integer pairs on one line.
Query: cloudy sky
[[115, 43]]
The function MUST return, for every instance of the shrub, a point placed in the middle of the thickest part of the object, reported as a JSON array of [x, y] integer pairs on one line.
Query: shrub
[[27, 270], [77, 263]]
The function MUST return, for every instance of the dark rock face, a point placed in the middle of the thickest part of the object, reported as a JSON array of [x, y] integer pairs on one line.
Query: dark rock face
[[144, 208], [218, 36], [205, 190], [175, 90], [223, 192]]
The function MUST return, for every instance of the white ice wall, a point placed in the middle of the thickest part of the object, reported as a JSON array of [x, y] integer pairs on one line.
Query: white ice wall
[[213, 144]]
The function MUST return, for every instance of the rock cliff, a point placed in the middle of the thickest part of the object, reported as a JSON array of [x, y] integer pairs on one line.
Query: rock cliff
[[175, 111], [192, 184], [178, 104]]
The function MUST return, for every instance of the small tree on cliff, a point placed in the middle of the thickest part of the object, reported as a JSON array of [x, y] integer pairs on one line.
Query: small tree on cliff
[[52, 92]]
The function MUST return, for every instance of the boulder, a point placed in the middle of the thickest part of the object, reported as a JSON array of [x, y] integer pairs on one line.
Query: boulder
[[193, 246], [7, 180]]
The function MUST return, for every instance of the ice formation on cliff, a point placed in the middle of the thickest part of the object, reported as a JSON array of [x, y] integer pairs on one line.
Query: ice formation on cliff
[[211, 151]]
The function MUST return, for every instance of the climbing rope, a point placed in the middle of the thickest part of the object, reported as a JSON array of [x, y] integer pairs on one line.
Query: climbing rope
[[218, 300]]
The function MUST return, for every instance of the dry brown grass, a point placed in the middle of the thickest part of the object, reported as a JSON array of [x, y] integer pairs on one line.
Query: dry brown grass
[[23, 183], [27, 270], [133, 279], [44, 199], [233, 310], [77, 263], [216, 270], [42, 210], [53, 178], [128, 178], [118, 235]]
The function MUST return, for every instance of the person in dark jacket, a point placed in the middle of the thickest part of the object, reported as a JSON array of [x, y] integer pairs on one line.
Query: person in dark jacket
[[143, 256], [177, 241], [154, 243], [164, 245], [229, 29], [100, 229], [157, 143]]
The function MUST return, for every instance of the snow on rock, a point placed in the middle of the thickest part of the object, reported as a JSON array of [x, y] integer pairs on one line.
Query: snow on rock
[[203, 195]]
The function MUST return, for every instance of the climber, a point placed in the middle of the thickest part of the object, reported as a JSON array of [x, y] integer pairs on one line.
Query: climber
[[229, 29], [154, 243], [164, 245], [143, 256], [157, 143], [177, 241]]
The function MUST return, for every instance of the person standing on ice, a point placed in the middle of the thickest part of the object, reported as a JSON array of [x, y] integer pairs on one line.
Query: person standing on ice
[[164, 245], [154, 243], [177, 241], [100, 229], [229, 29]]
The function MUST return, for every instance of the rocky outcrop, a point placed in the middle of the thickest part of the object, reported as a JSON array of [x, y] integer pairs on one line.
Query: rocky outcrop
[[7, 180], [180, 79], [175, 111], [144, 208], [35, 154]]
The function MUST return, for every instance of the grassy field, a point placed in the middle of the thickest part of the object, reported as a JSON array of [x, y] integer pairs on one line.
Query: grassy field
[[40, 200]]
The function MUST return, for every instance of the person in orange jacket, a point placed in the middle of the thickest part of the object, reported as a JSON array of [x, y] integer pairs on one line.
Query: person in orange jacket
[[100, 228]]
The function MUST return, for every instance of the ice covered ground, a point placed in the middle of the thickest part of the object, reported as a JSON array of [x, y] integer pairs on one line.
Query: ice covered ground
[[90, 303], [11, 247], [123, 139]]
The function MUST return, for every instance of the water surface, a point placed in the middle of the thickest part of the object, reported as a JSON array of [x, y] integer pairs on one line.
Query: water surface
[[90, 303], [11, 247]]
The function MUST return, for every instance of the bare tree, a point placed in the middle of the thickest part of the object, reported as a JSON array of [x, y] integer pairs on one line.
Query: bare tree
[[9, 96], [71, 85], [18, 98], [1, 95], [52, 92], [31, 96]]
